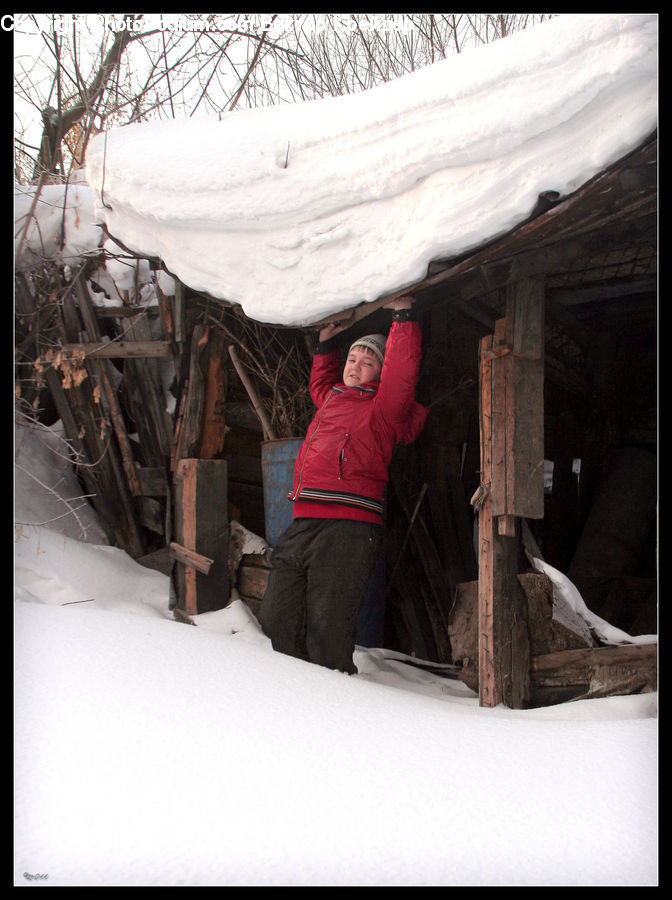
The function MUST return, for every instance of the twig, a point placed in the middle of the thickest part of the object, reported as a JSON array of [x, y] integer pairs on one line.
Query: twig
[[256, 403], [65, 501], [29, 216]]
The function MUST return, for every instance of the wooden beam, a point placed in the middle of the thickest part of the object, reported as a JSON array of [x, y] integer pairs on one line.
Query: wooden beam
[[120, 349]]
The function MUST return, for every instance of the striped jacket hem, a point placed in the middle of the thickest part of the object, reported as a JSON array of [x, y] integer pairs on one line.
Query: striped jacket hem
[[355, 501]]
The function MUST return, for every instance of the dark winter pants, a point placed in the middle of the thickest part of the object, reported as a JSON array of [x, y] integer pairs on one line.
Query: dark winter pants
[[319, 575]]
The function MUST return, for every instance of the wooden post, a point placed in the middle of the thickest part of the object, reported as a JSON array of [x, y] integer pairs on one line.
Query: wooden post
[[202, 533], [489, 693], [214, 427], [511, 428]]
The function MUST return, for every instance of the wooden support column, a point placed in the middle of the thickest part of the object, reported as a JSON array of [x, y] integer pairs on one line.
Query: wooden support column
[[511, 427], [202, 530]]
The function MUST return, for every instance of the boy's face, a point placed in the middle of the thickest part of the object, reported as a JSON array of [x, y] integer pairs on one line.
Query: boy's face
[[362, 365]]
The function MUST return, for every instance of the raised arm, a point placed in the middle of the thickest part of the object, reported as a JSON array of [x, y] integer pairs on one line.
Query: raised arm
[[403, 355], [326, 363]]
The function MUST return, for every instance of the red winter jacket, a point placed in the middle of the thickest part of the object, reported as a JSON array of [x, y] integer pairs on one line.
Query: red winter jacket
[[341, 468]]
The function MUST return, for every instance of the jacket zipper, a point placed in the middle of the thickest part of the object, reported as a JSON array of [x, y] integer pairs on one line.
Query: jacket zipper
[[341, 458], [317, 428]]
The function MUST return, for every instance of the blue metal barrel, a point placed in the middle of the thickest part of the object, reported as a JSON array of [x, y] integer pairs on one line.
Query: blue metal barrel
[[277, 466]]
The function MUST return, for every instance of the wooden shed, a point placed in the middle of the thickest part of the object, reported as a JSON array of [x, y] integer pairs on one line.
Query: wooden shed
[[540, 371]]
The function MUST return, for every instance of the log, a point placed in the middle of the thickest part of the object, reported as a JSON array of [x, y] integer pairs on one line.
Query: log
[[591, 673], [563, 665], [550, 625]]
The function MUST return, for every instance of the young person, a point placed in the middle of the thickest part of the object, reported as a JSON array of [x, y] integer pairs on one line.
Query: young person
[[321, 566]]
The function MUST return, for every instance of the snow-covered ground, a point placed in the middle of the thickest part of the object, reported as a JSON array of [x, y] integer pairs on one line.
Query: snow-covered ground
[[150, 752]]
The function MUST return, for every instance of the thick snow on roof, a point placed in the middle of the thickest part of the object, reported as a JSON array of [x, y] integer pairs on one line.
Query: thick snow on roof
[[300, 211]]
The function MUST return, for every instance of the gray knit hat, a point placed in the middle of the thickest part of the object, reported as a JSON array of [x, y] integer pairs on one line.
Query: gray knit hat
[[373, 342]]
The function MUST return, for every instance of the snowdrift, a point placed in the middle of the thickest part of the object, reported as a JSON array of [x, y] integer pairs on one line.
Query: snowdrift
[[300, 211]]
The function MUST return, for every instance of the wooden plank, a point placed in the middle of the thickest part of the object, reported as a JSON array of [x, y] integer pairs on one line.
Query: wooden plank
[[123, 440], [121, 349], [190, 558], [147, 403], [186, 532]]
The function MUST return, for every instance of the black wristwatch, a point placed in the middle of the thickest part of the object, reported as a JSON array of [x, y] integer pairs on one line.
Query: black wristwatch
[[403, 315], [325, 346]]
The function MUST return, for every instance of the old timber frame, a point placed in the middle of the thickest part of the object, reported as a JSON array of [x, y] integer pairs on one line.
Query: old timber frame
[[511, 418]]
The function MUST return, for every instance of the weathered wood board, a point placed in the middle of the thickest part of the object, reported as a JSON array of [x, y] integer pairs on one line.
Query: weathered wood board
[[202, 526]]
